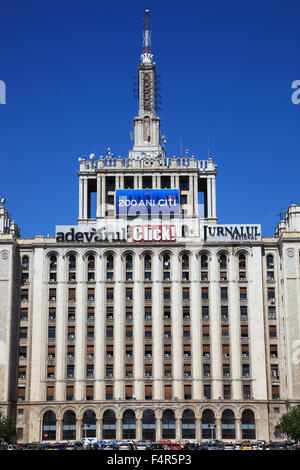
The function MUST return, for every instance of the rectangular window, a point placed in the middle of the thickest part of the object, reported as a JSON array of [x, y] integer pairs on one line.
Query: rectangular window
[[129, 332], [273, 350], [207, 392], [24, 294], [227, 392], [225, 331], [187, 392], [186, 331], [244, 331], [51, 352], [128, 392], [185, 293], [72, 295], [89, 392], [91, 294], [205, 331], [168, 392], [167, 370], [50, 393], [167, 293], [275, 392], [148, 370], [70, 392], [71, 332], [246, 392], [109, 332], [90, 350], [129, 293], [205, 312], [109, 294], [50, 372], [52, 295], [272, 331], [243, 293], [187, 370], [271, 293], [204, 293], [71, 351], [206, 370], [23, 333], [109, 351], [206, 350], [224, 312], [148, 332], [90, 332], [148, 392], [224, 293], [51, 332], [109, 392]]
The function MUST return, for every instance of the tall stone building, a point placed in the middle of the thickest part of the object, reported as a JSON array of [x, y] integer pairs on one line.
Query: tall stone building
[[148, 319]]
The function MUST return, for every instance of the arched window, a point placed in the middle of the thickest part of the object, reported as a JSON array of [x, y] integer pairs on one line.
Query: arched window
[[129, 268], [223, 261], [185, 267], [270, 261], [91, 268], [166, 268], [204, 267], [109, 425], [148, 424], [128, 424], [248, 425], [147, 267], [208, 425], [49, 426], [228, 425], [69, 425], [89, 424], [53, 262], [109, 268], [242, 267], [168, 425], [188, 424], [25, 262], [72, 262]]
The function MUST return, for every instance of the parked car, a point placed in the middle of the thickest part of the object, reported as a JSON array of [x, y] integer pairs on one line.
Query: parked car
[[141, 445], [175, 447], [229, 447]]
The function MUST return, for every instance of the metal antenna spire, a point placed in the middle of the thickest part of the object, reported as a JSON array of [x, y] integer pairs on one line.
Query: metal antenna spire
[[146, 33]]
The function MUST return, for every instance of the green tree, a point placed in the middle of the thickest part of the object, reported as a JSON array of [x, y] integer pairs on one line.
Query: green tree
[[290, 423], [7, 429]]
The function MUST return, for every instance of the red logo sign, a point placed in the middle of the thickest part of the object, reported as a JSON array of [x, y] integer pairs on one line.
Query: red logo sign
[[153, 233]]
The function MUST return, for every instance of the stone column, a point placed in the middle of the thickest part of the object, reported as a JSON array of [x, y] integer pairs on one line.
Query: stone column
[[81, 189], [157, 327], [191, 196], [138, 431], [215, 329], [59, 433], [218, 429], [119, 433], [98, 212], [208, 198], [99, 429], [198, 434], [234, 328], [195, 328], [79, 430], [214, 214], [103, 195], [238, 429], [100, 329], [80, 330], [176, 312], [61, 325], [196, 210], [85, 198], [178, 428], [138, 329], [158, 428], [119, 317]]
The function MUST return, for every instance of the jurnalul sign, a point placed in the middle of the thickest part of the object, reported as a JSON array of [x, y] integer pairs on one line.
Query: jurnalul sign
[[229, 233], [131, 202]]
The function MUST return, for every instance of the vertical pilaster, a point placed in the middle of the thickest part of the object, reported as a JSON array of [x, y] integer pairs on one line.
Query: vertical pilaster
[[85, 198], [234, 328], [176, 296], [100, 322], [209, 211], [61, 325], [195, 329], [119, 319], [138, 329], [98, 213], [80, 330], [157, 326], [215, 330]]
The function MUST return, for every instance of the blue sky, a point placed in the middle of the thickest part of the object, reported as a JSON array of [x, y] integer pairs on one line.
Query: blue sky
[[226, 70]]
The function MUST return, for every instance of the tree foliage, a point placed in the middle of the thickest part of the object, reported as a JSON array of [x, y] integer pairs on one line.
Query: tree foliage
[[7, 429], [290, 423]]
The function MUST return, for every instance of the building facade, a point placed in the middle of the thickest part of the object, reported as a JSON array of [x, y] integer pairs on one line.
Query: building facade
[[148, 319]]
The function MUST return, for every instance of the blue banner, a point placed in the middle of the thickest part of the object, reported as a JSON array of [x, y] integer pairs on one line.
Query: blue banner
[[131, 202]]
